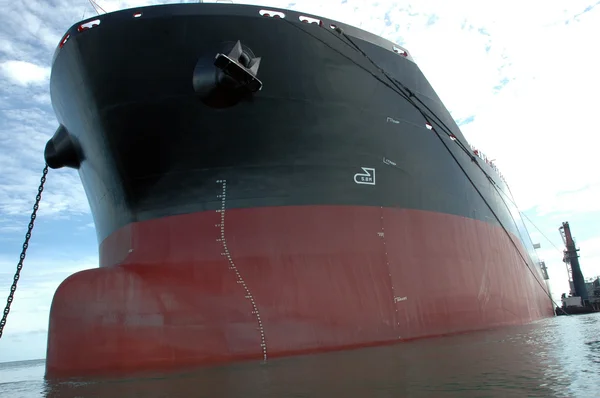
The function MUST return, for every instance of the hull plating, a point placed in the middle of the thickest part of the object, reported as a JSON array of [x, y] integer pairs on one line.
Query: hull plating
[[320, 214], [214, 287]]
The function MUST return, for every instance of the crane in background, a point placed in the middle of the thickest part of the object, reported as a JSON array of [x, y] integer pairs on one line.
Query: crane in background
[[584, 298]]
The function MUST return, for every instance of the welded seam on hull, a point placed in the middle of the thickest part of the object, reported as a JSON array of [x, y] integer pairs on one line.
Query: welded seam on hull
[[389, 269], [232, 266]]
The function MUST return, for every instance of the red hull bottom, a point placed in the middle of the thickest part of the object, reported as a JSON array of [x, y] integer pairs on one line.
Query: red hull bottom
[[216, 287]]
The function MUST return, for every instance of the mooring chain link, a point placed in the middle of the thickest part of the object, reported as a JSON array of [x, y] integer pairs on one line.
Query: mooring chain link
[[13, 288]]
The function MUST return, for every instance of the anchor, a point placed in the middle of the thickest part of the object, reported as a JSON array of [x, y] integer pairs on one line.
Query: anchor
[[228, 77], [231, 65]]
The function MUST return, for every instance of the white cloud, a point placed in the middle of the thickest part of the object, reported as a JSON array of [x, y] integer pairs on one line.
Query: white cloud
[[6, 45], [25, 133], [528, 82], [63, 194], [585, 199], [86, 227], [25, 73], [31, 307], [590, 256], [43, 98]]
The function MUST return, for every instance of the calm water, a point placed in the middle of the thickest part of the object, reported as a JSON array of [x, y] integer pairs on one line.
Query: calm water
[[557, 357]]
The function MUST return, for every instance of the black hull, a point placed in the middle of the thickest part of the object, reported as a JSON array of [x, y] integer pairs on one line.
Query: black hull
[[317, 213], [152, 148]]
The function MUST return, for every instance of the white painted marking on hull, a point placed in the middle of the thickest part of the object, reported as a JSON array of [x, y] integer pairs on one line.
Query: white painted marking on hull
[[232, 266]]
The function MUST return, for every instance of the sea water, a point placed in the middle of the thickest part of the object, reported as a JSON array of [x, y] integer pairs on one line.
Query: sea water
[[556, 357]]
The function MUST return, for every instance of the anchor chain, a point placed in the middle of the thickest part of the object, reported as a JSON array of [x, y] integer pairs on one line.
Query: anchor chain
[[13, 288]]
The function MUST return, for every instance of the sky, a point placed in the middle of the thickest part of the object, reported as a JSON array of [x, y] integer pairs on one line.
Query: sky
[[519, 77]]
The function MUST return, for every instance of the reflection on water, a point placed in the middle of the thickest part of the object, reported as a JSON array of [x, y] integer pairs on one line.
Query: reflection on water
[[558, 357]]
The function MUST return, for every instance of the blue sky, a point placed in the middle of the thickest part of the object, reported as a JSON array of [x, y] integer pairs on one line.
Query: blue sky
[[519, 77]]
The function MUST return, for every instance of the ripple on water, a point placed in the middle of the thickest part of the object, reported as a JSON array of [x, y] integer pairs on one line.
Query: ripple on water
[[557, 357]]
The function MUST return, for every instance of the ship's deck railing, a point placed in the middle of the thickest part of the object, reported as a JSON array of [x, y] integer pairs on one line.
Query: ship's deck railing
[[221, 8], [489, 162]]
